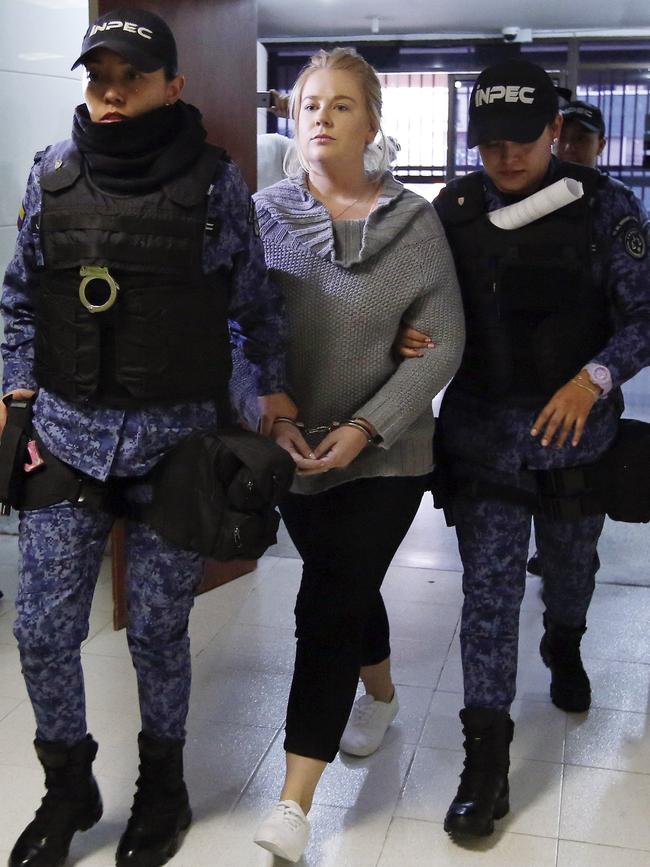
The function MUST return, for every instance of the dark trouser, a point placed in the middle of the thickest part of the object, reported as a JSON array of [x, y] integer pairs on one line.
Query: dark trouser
[[61, 549], [493, 541], [347, 537]]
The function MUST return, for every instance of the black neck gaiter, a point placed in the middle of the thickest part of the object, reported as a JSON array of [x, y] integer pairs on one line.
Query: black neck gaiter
[[142, 153]]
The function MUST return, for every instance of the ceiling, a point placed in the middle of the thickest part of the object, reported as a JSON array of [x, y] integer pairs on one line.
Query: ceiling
[[437, 19]]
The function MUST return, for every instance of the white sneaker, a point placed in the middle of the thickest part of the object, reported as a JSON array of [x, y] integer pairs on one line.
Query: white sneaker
[[284, 831], [367, 725]]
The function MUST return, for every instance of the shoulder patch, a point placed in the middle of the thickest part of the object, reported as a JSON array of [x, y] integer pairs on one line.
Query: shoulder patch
[[635, 243], [21, 217], [633, 236]]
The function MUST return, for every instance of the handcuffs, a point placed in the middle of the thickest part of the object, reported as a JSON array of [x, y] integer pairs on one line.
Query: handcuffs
[[324, 429], [89, 273]]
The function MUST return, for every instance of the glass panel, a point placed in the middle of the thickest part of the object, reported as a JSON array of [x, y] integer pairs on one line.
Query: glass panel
[[623, 96], [415, 114], [467, 159]]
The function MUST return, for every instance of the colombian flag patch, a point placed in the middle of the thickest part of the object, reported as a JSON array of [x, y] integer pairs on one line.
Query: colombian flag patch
[[21, 218]]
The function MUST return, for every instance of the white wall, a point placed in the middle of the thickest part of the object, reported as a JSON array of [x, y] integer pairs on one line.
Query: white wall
[[262, 59], [39, 41]]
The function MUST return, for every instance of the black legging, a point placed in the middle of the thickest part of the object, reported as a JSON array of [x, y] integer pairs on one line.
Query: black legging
[[347, 537]]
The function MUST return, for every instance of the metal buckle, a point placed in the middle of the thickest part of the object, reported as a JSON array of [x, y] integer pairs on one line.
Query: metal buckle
[[97, 272]]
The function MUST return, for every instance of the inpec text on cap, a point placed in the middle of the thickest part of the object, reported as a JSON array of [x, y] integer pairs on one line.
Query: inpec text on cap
[[509, 93], [127, 26]]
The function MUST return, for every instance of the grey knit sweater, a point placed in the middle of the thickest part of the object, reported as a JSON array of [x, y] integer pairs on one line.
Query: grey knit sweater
[[347, 287]]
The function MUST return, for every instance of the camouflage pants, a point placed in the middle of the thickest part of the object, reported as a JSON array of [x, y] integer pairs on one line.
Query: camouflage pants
[[493, 541], [61, 549]]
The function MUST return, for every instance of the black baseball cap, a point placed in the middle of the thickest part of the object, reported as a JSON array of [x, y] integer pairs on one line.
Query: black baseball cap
[[587, 115], [142, 37], [511, 101]]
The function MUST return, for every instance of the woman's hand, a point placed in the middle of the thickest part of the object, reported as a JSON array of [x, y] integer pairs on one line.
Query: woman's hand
[[19, 394], [270, 407], [411, 343], [567, 411], [289, 436], [338, 449]]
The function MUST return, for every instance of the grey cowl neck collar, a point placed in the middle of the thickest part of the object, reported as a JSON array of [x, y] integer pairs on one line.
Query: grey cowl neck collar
[[290, 203]]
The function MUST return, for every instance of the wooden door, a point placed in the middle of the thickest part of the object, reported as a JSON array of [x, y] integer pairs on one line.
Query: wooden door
[[217, 52]]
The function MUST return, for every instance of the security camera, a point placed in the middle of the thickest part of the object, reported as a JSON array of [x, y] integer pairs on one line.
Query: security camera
[[517, 34]]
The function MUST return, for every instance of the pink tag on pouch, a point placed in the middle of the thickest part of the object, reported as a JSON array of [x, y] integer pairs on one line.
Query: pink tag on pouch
[[35, 459]]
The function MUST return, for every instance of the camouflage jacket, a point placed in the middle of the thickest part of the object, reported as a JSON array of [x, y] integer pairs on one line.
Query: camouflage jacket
[[101, 441]]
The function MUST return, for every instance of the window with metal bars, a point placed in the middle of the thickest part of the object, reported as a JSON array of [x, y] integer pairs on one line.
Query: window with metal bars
[[426, 91]]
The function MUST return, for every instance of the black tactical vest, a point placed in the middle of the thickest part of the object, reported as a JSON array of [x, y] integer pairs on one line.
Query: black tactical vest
[[150, 327], [533, 314]]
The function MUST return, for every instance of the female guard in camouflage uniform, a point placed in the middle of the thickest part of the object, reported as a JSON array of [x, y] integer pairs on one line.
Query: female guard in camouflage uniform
[[136, 264], [558, 317]]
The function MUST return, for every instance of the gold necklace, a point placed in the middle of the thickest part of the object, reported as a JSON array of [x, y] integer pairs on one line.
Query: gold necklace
[[373, 188]]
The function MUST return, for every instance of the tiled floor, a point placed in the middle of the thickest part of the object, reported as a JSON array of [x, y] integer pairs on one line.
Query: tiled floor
[[580, 784]]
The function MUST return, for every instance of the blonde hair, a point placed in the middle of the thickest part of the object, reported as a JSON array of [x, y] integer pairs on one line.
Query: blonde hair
[[376, 158]]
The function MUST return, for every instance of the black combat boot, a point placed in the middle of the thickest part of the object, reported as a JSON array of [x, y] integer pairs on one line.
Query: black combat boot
[[560, 650], [71, 803], [161, 808], [483, 794]]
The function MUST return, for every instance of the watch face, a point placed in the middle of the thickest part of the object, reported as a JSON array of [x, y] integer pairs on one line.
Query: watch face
[[599, 373]]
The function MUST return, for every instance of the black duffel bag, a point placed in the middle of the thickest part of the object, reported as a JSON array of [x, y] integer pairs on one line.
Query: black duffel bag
[[622, 475], [216, 493]]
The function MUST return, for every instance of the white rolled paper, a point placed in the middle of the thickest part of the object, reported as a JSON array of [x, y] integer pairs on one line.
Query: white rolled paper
[[544, 202]]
